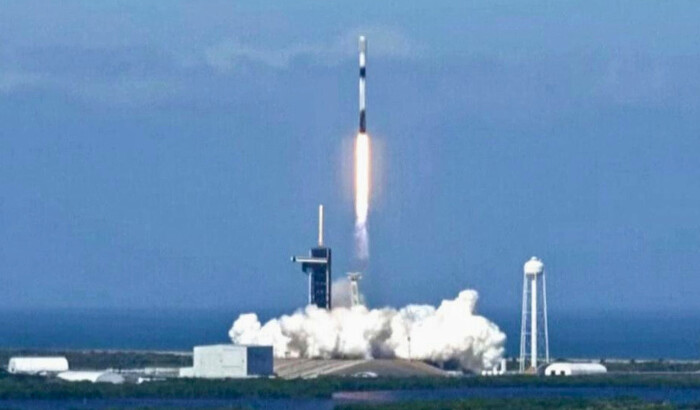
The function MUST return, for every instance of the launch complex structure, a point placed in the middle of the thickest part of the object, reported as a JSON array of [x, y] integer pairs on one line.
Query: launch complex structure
[[318, 264], [318, 267]]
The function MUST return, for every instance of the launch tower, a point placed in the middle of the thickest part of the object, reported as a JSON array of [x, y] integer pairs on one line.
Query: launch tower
[[318, 267]]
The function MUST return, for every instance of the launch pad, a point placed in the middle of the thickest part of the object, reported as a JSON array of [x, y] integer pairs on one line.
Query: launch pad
[[363, 368]]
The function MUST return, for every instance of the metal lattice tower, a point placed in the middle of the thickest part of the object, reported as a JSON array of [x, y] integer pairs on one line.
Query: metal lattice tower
[[534, 333], [355, 295]]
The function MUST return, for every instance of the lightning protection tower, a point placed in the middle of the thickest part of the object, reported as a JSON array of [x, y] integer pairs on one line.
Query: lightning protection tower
[[533, 335], [355, 295], [318, 266]]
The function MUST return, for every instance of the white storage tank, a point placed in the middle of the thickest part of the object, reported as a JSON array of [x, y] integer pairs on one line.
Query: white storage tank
[[231, 361], [37, 365], [574, 369]]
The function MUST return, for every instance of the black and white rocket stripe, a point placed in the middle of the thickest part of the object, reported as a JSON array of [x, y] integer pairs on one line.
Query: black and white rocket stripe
[[363, 61]]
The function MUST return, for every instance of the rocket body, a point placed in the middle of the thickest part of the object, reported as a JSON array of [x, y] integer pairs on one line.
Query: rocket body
[[363, 71], [362, 166]]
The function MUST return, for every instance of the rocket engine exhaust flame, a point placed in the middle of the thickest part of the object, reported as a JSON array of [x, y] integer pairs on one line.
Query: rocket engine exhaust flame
[[362, 184]]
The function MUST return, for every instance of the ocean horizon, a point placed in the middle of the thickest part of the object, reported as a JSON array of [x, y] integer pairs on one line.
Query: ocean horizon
[[618, 334]]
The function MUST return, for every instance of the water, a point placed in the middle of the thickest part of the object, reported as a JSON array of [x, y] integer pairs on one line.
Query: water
[[584, 334], [656, 394], [675, 396], [647, 335], [113, 329]]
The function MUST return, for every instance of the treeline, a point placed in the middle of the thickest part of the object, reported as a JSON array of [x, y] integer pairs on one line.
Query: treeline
[[516, 403], [660, 365], [29, 387], [105, 359]]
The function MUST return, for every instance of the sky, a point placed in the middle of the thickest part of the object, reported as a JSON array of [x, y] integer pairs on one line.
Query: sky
[[172, 154]]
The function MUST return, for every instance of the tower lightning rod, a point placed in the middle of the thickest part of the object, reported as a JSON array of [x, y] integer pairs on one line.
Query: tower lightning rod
[[320, 225]]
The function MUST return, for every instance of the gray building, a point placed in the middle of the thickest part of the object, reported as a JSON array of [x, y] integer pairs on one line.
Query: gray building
[[230, 361]]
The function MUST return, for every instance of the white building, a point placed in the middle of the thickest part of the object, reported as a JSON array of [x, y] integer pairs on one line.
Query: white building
[[37, 365], [91, 376], [574, 369], [230, 361]]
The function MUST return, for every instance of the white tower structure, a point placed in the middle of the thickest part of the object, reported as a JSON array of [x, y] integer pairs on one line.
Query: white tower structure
[[534, 335], [356, 298]]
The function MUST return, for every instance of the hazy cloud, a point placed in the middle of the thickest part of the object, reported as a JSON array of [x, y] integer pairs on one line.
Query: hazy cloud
[[384, 42], [512, 85]]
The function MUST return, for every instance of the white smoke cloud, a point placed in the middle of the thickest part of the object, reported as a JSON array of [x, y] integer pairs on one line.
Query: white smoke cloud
[[341, 294], [452, 331]]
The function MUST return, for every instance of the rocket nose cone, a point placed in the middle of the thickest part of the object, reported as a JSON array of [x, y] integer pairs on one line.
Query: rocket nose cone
[[363, 44]]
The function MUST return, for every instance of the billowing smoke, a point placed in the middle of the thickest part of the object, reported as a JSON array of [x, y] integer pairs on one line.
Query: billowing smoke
[[341, 294], [450, 332]]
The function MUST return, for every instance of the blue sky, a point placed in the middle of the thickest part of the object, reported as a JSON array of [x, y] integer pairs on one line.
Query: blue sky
[[172, 154]]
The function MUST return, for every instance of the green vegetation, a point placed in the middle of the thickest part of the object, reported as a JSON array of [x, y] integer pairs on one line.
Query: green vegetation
[[28, 387], [523, 404], [635, 365], [130, 359], [104, 359], [652, 366]]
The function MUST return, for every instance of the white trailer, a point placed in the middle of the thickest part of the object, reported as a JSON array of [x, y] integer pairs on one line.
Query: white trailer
[[574, 369], [37, 365]]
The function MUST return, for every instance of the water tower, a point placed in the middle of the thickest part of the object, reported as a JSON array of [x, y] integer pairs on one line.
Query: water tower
[[534, 335]]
